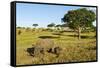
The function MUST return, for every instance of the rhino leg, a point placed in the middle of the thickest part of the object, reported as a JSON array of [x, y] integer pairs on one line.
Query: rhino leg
[[49, 50], [57, 51], [30, 51]]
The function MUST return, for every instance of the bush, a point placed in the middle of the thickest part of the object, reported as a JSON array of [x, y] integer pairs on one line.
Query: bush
[[28, 29], [33, 29], [48, 29], [19, 32]]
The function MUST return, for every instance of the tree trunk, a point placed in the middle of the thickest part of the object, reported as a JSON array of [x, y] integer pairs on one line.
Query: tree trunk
[[79, 32], [75, 33]]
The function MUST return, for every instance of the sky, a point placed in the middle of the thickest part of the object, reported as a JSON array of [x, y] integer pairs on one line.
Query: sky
[[41, 14]]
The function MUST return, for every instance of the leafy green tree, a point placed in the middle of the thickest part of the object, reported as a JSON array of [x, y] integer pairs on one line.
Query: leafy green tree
[[51, 25], [35, 25], [79, 19], [18, 27]]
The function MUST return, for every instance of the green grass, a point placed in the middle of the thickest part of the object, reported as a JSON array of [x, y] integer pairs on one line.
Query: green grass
[[74, 50]]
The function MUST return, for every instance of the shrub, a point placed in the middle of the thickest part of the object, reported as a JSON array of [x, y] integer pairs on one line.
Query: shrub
[[28, 29], [19, 32]]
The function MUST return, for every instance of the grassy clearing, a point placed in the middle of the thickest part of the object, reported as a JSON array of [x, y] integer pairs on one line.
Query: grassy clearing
[[74, 50]]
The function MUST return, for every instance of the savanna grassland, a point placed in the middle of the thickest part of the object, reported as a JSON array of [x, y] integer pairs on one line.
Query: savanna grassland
[[73, 49]]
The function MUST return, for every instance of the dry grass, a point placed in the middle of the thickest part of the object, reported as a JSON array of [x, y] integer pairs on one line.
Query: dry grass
[[73, 50]]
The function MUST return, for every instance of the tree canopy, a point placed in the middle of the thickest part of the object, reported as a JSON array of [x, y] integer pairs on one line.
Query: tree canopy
[[35, 25], [79, 18], [51, 25]]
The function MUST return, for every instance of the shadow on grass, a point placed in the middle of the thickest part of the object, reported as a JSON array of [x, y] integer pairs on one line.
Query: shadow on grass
[[51, 37], [56, 34], [83, 37]]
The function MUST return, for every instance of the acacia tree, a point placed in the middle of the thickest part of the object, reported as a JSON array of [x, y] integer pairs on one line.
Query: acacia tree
[[35, 25], [79, 19], [51, 25]]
